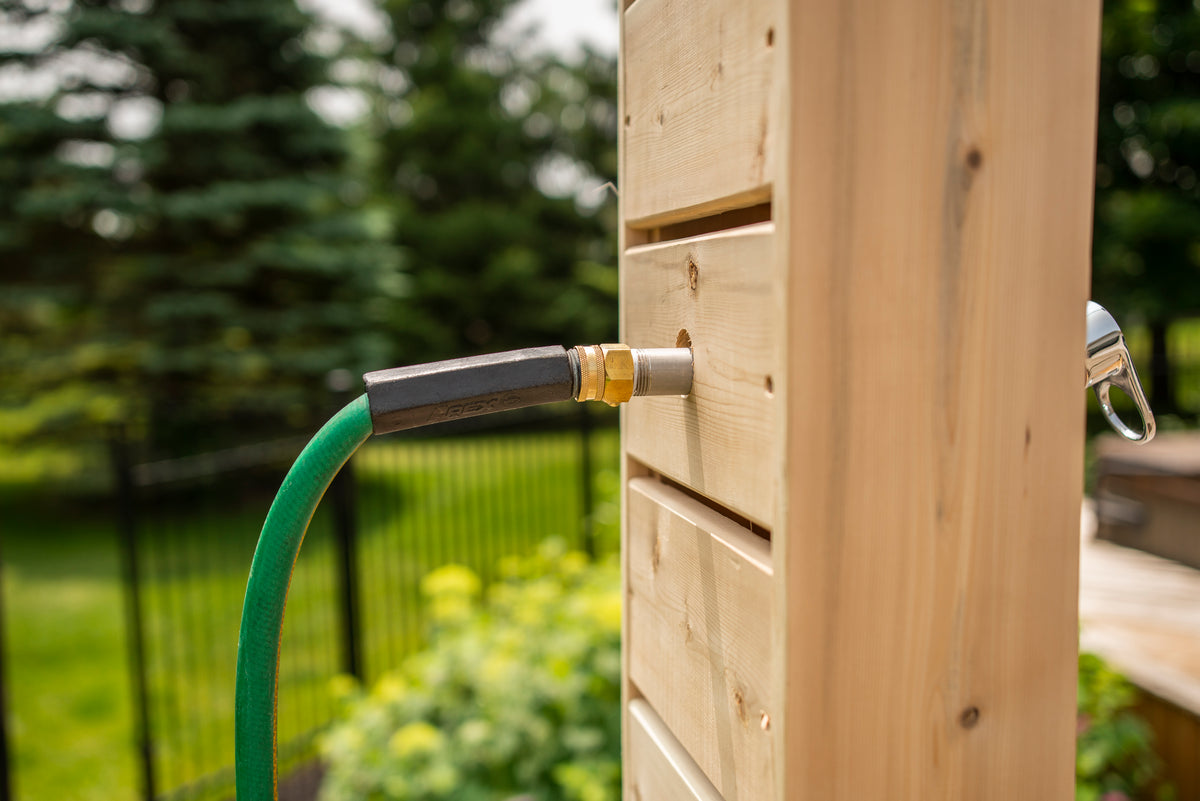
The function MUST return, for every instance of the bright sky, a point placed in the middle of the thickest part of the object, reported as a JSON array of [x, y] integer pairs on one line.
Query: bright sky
[[563, 24]]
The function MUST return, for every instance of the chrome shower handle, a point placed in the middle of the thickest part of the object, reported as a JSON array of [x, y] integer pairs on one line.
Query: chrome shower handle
[[1109, 364]]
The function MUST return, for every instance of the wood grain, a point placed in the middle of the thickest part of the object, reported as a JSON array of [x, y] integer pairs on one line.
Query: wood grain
[[1142, 613], [698, 605], [657, 767], [934, 235], [723, 438], [696, 108], [1176, 733]]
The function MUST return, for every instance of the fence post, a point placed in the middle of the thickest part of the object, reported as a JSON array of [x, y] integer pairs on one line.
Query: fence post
[[586, 495], [345, 534], [127, 534], [6, 782], [342, 493]]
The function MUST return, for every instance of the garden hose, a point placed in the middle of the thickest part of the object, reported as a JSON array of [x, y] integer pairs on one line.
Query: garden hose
[[404, 397], [255, 701]]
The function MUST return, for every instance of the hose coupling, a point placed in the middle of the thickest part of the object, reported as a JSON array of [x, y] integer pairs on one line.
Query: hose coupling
[[616, 373]]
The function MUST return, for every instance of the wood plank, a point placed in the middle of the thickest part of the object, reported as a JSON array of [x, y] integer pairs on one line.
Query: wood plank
[[657, 766], [722, 440], [697, 104], [1170, 453], [698, 605], [1155, 514], [1142, 613], [934, 239]]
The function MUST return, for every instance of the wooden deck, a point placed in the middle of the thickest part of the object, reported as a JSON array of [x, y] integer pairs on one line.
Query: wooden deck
[[1142, 614]]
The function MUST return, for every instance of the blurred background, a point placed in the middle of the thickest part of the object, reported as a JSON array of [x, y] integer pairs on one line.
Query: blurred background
[[215, 215]]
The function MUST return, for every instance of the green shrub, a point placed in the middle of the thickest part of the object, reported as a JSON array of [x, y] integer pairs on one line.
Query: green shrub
[[518, 697], [1114, 758]]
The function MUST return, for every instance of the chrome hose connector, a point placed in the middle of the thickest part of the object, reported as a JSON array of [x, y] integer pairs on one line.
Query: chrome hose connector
[[1107, 364], [662, 371]]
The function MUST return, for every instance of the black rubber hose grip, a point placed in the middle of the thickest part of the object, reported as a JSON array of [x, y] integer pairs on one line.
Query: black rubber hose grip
[[407, 397]]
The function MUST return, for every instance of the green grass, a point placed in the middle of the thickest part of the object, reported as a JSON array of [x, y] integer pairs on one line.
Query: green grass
[[421, 504], [68, 691]]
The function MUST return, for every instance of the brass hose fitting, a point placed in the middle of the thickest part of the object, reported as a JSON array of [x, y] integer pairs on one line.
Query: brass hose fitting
[[591, 372], [618, 374], [614, 373]]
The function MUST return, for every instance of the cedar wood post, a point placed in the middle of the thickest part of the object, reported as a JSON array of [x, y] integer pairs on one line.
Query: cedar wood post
[[850, 556]]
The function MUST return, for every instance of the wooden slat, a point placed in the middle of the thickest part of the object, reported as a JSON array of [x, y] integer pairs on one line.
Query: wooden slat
[[1160, 514], [698, 605], [656, 765], [697, 94], [1142, 613], [722, 440], [1170, 453], [934, 232]]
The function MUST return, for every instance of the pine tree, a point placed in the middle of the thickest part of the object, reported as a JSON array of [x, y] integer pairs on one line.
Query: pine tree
[[481, 148], [59, 362], [225, 262]]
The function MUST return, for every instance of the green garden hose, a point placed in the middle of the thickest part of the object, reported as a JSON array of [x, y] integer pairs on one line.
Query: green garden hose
[[396, 399], [266, 595]]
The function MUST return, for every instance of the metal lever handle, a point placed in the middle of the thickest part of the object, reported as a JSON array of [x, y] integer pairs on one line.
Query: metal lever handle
[[1109, 364]]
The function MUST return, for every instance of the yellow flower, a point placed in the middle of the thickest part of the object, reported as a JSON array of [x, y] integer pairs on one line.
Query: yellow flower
[[390, 688], [415, 739], [451, 580], [342, 687], [573, 563], [606, 611]]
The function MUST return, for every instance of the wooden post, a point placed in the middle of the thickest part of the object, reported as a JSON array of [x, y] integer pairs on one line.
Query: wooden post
[[851, 554]]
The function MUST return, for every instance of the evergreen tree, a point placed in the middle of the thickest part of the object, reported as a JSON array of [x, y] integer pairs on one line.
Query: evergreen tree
[[222, 264], [481, 149], [1147, 254], [59, 362]]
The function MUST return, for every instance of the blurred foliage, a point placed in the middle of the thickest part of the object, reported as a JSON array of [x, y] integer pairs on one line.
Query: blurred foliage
[[187, 242], [1146, 264], [209, 256], [518, 697], [1114, 755], [482, 151]]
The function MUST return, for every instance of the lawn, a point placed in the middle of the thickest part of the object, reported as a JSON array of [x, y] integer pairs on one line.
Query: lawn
[[420, 503]]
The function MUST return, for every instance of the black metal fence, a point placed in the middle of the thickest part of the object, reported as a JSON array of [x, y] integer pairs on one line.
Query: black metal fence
[[469, 494]]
